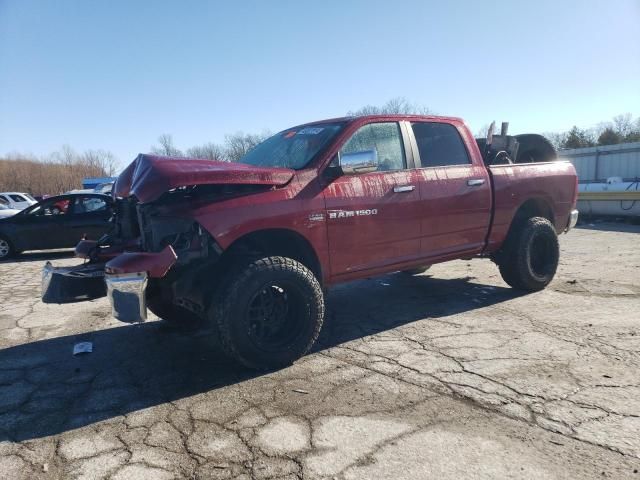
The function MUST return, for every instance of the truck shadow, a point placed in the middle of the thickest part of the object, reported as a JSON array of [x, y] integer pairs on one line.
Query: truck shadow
[[44, 390]]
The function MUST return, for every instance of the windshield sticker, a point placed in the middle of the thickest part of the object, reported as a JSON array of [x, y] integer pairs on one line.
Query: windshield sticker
[[310, 131]]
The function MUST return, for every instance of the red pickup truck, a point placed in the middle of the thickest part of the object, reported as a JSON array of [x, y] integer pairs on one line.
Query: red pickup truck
[[249, 247]]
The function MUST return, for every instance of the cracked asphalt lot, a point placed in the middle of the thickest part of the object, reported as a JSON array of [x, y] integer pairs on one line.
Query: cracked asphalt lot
[[449, 374]]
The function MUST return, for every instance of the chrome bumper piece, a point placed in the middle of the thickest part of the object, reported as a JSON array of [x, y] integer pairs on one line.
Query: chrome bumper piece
[[573, 219], [126, 293]]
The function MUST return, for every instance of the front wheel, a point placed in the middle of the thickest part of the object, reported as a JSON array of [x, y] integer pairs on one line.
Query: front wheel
[[531, 256], [6, 248], [269, 312]]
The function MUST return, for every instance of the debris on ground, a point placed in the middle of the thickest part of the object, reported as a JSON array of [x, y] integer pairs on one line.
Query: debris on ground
[[82, 347]]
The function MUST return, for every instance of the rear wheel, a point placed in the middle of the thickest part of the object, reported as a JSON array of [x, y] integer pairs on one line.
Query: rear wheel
[[6, 248], [531, 256], [269, 312]]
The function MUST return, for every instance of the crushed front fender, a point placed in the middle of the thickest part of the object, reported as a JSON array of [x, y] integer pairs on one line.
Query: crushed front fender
[[156, 264]]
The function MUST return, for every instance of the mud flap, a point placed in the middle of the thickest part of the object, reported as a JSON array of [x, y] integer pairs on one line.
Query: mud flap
[[73, 284]]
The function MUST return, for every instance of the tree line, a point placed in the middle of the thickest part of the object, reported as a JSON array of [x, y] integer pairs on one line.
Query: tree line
[[621, 129], [234, 147], [64, 170], [59, 172]]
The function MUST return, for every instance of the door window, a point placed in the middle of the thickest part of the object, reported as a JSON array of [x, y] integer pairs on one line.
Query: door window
[[55, 206], [439, 144], [18, 198], [89, 204], [385, 139]]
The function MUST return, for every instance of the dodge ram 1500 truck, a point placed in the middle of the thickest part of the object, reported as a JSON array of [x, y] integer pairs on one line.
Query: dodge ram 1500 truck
[[249, 247]]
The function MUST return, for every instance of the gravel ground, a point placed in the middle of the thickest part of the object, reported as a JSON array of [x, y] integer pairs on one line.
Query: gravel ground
[[449, 374]]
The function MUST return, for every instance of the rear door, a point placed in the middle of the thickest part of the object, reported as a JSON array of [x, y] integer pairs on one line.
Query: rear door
[[373, 218], [455, 191]]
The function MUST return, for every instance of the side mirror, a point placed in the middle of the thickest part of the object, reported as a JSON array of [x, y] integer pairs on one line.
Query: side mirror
[[359, 162]]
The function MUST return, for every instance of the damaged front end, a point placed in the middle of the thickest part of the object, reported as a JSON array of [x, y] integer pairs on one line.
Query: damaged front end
[[157, 254], [146, 243]]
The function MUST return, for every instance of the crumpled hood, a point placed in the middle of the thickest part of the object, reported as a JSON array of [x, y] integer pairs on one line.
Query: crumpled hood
[[149, 176]]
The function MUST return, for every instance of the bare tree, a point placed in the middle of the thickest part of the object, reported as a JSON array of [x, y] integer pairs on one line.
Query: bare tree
[[237, 145], [102, 160], [397, 105], [556, 138], [209, 151], [166, 147], [623, 124]]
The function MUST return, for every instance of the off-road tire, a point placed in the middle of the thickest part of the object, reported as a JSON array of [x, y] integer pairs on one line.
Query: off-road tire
[[531, 255], [416, 271], [6, 248], [232, 301]]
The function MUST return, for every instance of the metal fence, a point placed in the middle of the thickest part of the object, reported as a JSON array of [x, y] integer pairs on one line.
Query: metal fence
[[596, 164]]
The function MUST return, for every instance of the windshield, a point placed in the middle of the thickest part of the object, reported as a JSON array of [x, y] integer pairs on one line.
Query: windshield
[[293, 148]]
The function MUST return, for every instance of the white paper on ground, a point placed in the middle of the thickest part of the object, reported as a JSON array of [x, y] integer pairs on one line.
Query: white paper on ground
[[83, 347]]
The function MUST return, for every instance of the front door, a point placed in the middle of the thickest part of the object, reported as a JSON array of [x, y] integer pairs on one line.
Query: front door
[[43, 225], [373, 218]]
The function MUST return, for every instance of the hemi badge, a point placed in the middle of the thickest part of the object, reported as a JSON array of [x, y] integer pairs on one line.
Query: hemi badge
[[316, 217]]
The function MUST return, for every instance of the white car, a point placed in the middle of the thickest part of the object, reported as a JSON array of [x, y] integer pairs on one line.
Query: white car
[[105, 188], [80, 190], [17, 200], [6, 211]]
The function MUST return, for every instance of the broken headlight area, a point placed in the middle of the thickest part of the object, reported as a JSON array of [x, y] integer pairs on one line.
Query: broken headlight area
[[187, 238]]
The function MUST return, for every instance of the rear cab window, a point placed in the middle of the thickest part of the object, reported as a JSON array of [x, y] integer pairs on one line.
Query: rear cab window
[[439, 145]]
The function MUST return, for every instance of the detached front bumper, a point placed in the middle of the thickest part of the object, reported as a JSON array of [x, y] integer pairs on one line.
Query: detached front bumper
[[72, 284], [123, 279]]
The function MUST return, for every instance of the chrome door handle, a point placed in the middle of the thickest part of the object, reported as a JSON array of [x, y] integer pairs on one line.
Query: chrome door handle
[[475, 182], [404, 188]]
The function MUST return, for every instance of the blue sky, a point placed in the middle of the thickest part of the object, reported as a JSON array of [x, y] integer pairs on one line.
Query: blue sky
[[116, 74]]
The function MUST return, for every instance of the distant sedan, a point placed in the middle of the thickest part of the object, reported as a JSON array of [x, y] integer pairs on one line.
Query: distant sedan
[[57, 222]]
